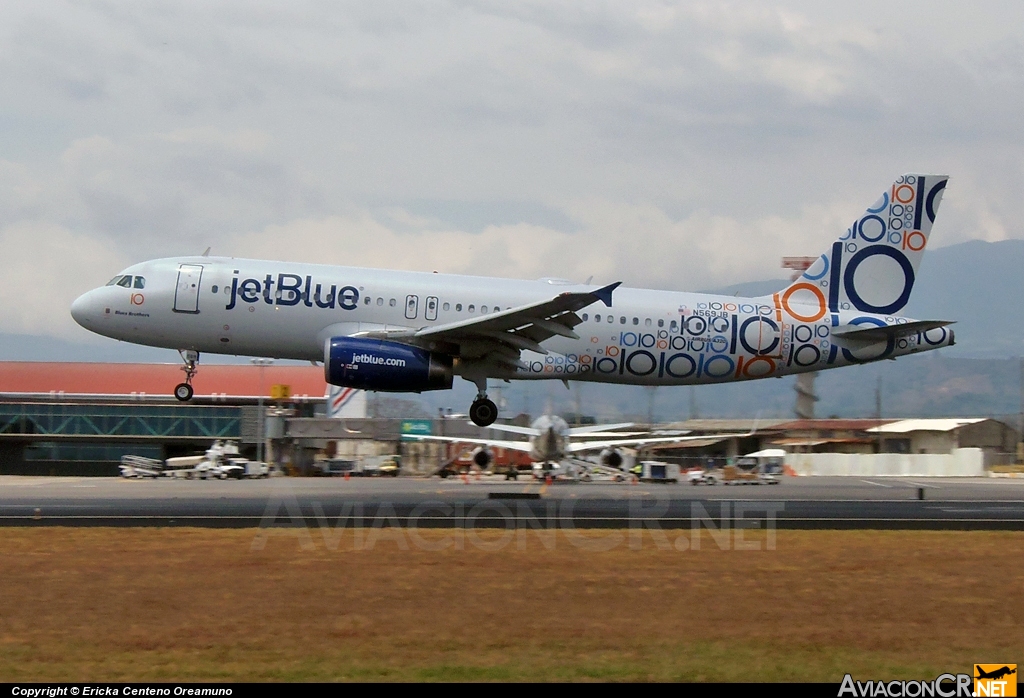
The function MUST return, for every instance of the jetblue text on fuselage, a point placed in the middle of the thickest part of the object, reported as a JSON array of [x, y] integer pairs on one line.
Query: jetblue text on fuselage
[[292, 289]]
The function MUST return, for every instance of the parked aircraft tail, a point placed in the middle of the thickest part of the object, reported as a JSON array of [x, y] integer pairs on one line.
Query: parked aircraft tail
[[873, 265]]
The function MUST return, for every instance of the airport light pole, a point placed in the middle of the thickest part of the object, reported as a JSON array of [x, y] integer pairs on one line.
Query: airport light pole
[[260, 416]]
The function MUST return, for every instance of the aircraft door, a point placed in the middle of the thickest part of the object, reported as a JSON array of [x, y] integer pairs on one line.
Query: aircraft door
[[186, 294], [430, 313], [412, 307]]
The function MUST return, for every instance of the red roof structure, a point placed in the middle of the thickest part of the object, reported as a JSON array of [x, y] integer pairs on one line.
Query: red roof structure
[[212, 383]]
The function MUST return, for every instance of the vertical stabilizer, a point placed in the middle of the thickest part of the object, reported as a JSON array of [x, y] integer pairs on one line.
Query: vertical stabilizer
[[872, 267]]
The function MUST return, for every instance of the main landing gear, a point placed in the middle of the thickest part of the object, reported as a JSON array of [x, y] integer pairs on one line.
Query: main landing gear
[[183, 391], [483, 412]]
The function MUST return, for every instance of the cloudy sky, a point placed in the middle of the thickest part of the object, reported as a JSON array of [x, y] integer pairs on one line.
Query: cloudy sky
[[670, 145]]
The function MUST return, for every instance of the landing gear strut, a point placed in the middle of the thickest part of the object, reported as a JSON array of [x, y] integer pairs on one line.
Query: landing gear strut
[[183, 391], [483, 412]]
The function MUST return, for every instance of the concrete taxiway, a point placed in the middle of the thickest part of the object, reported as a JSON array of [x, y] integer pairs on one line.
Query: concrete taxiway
[[797, 502]]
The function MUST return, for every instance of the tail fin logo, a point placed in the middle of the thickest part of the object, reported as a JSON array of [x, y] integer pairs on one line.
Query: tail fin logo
[[872, 267]]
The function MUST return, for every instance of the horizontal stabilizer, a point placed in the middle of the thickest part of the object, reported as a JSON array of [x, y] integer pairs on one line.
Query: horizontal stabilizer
[[872, 333]]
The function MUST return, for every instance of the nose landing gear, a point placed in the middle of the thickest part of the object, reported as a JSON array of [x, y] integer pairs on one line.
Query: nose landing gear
[[183, 391]]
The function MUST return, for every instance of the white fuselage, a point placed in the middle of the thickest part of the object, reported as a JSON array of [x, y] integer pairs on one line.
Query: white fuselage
[[648, 337]]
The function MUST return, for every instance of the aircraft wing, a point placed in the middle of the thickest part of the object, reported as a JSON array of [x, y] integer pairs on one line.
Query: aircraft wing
[[594, 429], [523, 446], [612, 443], [501, 336], [512, 428]]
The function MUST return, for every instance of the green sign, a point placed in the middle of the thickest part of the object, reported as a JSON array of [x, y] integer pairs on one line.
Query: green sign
[[420, 427]]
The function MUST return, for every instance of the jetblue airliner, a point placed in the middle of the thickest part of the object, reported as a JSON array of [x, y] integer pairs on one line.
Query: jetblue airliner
[[406, 331]]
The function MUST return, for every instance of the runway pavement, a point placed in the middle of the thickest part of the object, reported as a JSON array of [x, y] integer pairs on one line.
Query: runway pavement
[[797, 502]]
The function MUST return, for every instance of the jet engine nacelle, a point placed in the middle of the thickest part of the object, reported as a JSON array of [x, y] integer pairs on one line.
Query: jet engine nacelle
[[611, 458], [377, 364], [482, 457]]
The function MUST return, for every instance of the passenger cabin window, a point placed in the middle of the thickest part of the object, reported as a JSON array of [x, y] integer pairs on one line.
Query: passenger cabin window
[[458, 307], [584, 317], [636, 321], [214, 289], [597, 318], [367, 301], [392, 302], [622, 320], [647, 322], [125, 282], [446, 306], [610, 319], [673, 326], [483, 308], [140, 282], [661, 323], [471, 308], [380, 301]]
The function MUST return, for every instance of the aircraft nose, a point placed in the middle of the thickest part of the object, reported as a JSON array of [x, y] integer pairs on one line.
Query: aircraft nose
[[83, 310]]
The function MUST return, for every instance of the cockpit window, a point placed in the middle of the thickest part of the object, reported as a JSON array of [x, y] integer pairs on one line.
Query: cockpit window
[[140, 282], [114, 280], [125, 281]]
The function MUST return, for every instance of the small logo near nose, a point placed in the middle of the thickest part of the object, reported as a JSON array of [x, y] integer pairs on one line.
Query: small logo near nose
[[138, 299]]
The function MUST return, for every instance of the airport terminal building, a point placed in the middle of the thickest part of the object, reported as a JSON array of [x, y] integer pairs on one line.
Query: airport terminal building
[[81, 418]]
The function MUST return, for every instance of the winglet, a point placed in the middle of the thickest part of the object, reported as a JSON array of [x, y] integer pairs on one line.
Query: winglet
[[604, 294]]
